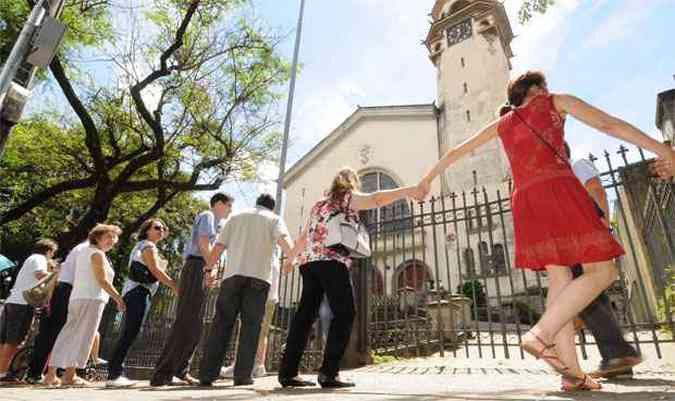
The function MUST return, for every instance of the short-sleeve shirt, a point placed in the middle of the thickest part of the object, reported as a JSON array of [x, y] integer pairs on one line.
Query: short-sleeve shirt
[[584, 170], [137, 256], [205, 224], [85, 285], [250, 237], [35, 263], [316, 249], [67, 272]]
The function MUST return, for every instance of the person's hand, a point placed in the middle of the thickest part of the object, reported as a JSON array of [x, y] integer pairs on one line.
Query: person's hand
[[664, 166], [423, 189], [287, 267], [210, 278], [174, 288], [119, 302]]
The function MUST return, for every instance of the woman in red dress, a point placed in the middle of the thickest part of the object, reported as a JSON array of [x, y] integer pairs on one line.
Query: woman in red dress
[[555, 221]]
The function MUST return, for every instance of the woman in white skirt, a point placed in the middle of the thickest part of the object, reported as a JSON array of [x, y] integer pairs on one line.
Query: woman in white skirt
[[92, 287]]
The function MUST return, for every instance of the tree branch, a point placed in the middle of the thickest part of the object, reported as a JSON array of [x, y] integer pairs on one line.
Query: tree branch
[[42, 196], [92, 139]]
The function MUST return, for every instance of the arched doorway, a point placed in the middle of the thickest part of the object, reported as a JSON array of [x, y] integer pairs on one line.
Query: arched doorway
[[394, 217], [413, 274]]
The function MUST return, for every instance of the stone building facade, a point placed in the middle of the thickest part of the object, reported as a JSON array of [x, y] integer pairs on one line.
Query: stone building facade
[[393, 146]]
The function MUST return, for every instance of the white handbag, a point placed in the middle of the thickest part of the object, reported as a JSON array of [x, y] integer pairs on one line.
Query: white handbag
[[349, 235]]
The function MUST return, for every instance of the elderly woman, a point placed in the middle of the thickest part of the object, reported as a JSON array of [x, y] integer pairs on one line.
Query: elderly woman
[[326, 271], [139, 288], [555, 221], [17, 315], [92, 288]]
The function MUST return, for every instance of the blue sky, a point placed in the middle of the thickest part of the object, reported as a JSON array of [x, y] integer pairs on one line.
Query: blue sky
[[614, 54]]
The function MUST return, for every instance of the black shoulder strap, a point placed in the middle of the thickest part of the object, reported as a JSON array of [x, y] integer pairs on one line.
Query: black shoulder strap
[[555, 152]]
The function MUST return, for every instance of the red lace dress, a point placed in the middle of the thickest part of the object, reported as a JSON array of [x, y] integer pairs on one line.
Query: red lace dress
[[555, 220]]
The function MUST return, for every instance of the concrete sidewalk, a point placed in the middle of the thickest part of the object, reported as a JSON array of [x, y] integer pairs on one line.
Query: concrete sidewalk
[[435, 378]]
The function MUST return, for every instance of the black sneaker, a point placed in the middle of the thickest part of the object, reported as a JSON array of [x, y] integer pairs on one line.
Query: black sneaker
[[34, 380], [617, 367], [294, 382], [243, 382], [334, 382]]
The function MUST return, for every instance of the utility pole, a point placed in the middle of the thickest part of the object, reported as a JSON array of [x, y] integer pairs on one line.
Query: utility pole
[[35, 47], [289, 111]]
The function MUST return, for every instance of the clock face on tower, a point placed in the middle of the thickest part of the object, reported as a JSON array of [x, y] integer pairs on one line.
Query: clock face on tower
[[459, 32]]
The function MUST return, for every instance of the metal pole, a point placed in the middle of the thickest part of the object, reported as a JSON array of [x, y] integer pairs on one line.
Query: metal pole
[[19, 49], [289, 110]]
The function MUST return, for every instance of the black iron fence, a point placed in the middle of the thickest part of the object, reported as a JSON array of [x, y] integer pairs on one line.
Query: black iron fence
[[442, 280]]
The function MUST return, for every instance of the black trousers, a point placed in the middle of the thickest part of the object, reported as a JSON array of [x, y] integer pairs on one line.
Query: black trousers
[[137, 301], [239, 296], [187, 328], [319, 278], [50, 327], [600, 320]]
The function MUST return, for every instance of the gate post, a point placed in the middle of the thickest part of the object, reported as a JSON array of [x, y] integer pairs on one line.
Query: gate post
[[357, 353]]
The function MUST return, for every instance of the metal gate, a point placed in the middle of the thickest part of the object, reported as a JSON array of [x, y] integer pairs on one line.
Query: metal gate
[[442, 280]]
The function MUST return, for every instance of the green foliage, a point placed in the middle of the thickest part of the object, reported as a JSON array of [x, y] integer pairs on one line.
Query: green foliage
[[194, 110], [474, 291], [529, 7], [381, 359], [669, 296], [88, 26]]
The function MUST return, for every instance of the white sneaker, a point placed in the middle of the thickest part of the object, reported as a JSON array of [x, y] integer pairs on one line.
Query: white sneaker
[[120, 382], [259, 371], [227, 372]]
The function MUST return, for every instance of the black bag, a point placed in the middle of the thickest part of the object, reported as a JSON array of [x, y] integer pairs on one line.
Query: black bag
[[140, 273]]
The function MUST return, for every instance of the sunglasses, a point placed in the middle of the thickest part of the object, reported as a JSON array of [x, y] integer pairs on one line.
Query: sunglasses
[[159, 228]]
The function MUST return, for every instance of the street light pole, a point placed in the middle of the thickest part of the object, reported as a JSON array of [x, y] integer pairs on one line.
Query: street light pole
[[289, 111], [19, 49]]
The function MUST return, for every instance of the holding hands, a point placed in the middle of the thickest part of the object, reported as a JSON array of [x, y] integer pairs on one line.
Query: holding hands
[[119, 302], [664, 166]]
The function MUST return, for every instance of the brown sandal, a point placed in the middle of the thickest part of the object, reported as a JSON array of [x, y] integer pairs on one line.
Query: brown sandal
[[585, 383], [551, 358]]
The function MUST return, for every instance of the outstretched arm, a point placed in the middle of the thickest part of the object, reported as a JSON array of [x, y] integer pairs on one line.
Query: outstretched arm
[[482, 137], [362, 201], [618, 128]]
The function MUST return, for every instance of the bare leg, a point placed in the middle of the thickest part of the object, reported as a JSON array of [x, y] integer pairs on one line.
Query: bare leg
[[7, 352], [262, 351], [572, 299], [559, 278], [50, 378], [575, 296], [95, 346]]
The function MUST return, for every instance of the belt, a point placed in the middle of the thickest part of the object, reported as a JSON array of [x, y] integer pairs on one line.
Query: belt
[[195, 257]]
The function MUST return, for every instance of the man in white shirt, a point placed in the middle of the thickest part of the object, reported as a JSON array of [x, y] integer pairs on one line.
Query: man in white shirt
[[618, 357], [17, 315], [250, 238]]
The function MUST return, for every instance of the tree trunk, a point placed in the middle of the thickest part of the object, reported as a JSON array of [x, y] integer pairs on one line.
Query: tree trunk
[[98, 211]]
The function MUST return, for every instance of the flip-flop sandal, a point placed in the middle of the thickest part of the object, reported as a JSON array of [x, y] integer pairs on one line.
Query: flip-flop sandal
[[547, 354], [585, 383], [77, 382], [54, 383]]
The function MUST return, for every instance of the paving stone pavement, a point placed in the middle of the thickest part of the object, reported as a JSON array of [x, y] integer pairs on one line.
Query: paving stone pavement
[[434, 379]]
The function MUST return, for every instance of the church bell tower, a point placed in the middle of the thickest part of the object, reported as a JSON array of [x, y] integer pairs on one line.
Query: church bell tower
[[469, 42]]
